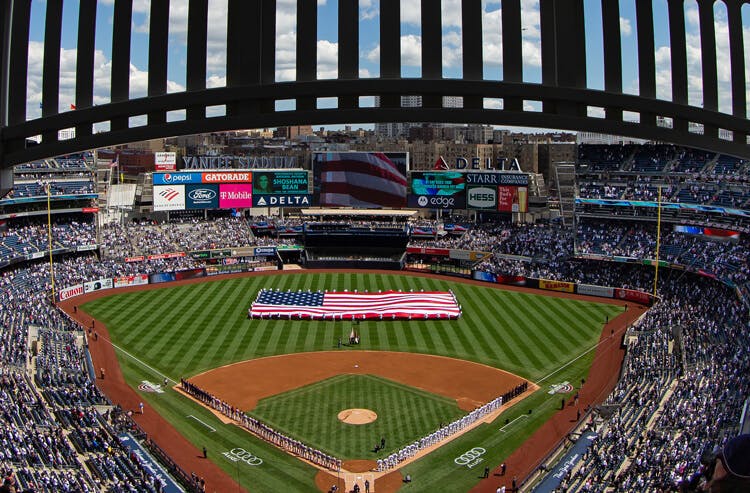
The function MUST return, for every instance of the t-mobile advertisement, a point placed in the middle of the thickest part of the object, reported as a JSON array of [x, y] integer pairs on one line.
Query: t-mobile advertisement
[[235, 195]]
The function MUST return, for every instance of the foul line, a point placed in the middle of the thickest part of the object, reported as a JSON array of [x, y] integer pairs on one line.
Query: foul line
[[139, 361], [203, 423], [521, 416], [573, 360]]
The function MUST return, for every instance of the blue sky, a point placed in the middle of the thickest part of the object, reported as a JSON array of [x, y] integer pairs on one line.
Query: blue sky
[[369, 46]]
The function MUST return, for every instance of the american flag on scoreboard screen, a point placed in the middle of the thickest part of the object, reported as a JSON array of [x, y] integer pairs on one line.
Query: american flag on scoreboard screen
[[352, 305], [361, 179]]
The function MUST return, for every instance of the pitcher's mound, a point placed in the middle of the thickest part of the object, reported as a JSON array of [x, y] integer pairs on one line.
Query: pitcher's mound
[[357, 416]]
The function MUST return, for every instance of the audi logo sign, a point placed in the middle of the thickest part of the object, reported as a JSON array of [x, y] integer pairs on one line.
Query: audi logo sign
[[470, 458], [238, 454]]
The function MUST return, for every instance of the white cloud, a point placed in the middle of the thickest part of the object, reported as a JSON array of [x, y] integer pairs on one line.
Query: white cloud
[[625, 27]]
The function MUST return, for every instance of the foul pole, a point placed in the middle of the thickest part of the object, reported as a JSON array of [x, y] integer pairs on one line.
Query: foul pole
[[658, 239]]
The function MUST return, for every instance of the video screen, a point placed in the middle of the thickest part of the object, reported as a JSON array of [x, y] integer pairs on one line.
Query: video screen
[[370, 180]]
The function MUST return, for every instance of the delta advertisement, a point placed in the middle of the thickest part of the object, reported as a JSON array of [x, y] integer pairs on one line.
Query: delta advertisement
[[281, 189]]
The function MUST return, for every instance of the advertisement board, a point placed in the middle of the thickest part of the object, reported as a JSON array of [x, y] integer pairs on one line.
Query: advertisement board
[[264, 251], [201, 196], [280, 183], [180, 178], [493, 179], [70, 292], [481, 197], [591, 290], [440, 252], [438, 190], [438, 183], [437, 201], [227, 177], [360, 179], [632, 295], [566, 287], [136, 280], [512, 199], [303, 200], [160, 277], [169, 198], [189, 274], [165, 161], [97, 285], [236, 195]]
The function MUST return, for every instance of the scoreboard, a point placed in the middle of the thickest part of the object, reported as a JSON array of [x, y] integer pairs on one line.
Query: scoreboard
[[231, 189], [486, 191]]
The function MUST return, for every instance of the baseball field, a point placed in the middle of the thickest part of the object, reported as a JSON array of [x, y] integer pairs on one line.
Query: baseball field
[[192, 330]]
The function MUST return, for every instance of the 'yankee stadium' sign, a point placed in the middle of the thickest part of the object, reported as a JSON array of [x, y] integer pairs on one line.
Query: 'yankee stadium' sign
[[240, 162]]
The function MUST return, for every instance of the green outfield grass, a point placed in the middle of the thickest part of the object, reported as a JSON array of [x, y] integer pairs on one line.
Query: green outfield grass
[[185, 330], [405, 414]]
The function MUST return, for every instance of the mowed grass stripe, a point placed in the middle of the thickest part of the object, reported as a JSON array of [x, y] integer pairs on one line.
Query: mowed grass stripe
[[189, 326], [213, 328], [530, 345], [497, 335], [565, 335], [203, 326], [503, 327], [172, 319]]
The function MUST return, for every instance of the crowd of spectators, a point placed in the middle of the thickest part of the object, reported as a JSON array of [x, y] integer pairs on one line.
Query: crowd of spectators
[[54, 438], [679, 395], [27, 237], [684, 175]]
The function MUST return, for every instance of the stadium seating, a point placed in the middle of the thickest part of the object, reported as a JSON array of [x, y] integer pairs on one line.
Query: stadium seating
[[683, 380]]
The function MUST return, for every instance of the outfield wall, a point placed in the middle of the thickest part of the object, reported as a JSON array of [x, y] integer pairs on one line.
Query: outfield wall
[[632, 295]]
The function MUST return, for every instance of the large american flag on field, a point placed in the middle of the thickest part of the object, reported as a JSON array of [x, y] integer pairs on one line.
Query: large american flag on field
[[361, 179], [332, 305]]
